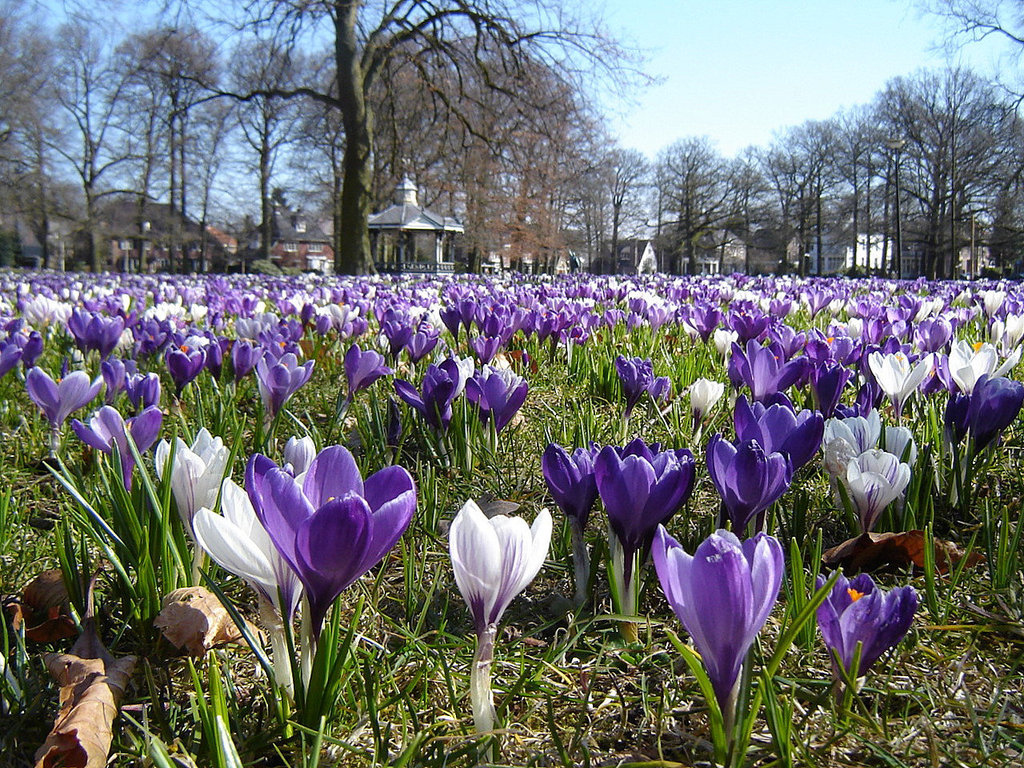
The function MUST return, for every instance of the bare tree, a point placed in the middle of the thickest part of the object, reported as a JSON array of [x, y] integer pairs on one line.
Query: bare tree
[[181, 67], [490, 37], [268, 123], [953, 128], [629, 171], [88, 89], [698, 188], [973, 21]]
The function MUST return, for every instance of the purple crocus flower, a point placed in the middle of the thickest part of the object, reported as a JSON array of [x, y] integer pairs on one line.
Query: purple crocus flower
[[856, 611], [279, 380], [485, 348], [779, 428], [452, 318], [10, 355], [31, 349], [59, 399], [749, 325], [396, 328], [748, 479], [828, 380], [422, 342], [115, 375], [955, 417], [142, 390], [636, 375], [92, 330], [215, 356], [332, 527], [722, 595], [762, 370], [570, 480], [184, 363], [641, 487], [705, 318], [498, 393], [108, 429], [442, 384], [362, 368], [995, 404], [933, 334], [244, 357]]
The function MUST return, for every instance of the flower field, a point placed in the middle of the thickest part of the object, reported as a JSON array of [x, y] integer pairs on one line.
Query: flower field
[[657, 521]]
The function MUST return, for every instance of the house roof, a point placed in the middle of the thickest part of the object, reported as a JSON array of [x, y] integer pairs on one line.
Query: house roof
[[296, 226], [412, 217], [121, 218], [406, 214]]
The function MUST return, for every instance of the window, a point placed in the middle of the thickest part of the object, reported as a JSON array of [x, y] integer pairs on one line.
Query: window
[[291, 247], [300, 226], [315, 248]]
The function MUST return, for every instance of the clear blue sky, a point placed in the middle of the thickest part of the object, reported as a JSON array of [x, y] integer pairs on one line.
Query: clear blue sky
[[739, 70]]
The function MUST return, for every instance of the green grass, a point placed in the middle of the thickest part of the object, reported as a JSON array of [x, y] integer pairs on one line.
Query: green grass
[[568, 692]]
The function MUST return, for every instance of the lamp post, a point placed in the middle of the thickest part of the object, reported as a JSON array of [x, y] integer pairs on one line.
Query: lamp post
[[896, 145]]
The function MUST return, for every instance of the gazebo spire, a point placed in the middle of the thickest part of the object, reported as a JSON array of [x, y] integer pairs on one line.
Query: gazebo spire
[[405, 192]]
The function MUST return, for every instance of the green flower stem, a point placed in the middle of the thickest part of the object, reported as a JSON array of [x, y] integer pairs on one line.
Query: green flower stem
[[274, 624], [480, 695], [580, 562]]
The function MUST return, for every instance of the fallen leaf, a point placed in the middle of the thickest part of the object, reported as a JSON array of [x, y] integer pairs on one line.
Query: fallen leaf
[[92, 683], [875, 551], [194, 619], [44, 609]]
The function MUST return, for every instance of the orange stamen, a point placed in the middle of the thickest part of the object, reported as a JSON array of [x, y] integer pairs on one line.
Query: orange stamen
[[855, 595]]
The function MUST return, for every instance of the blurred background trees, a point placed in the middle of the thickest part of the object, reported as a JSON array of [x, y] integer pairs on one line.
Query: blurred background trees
[[490, 108]]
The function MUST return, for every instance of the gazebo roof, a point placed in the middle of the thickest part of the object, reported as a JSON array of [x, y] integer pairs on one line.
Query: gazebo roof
[[406, 214]]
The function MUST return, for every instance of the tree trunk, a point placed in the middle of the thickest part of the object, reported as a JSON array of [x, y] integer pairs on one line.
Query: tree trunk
[[266, 210], [353, 256]]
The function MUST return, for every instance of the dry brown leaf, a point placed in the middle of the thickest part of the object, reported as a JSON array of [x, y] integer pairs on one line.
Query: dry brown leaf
[[875, 551], [44, 609], [92, 683], [192, 618]]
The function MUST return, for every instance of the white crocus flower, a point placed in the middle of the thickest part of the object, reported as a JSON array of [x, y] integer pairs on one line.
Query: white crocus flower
[[873, 480], [1014, 330], [195, 474], [723, 341], [969, 362], [993, 300], [494, 559], [860, 432], [299, 453], [897, 377], [900, 440], [704, 393], [237, 541]]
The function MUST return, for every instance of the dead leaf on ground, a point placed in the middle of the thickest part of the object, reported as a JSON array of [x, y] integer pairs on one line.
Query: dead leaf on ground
[[92, 683], [193, 619], [875, 551], [44, 609]]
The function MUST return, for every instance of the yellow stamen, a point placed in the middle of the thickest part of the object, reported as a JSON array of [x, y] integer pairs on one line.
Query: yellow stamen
[[978, 345], [855, 595], [830, 339]]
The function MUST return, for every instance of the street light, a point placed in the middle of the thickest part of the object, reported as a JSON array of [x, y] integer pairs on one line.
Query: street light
[[896, 145]]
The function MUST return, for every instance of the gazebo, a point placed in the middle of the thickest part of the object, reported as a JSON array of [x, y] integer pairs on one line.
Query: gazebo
[[407, 238]]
